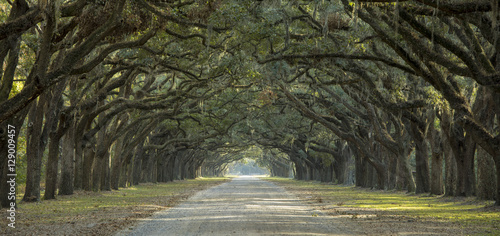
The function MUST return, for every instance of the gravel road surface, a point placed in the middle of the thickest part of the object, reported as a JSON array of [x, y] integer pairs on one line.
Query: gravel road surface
[[244, 206]]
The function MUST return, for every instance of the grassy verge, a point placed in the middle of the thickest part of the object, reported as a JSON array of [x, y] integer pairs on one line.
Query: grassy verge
[[467, 214], [102, 213]]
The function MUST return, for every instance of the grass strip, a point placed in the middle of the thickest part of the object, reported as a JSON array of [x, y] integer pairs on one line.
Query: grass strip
[[473, 216], [102, 213]]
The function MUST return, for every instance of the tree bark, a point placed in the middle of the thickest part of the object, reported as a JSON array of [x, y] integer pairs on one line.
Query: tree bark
[[437, 156], [78, 176], [421, 157], [105, 173], [117, 157], [88, 165], [138, 159], [497, 202], [125, 166], [450, 171], [437, 173], [56, 126], [52, 167], [487, 181], [96, 173], [486, 173], [34, 150], [392, 168], [68, 170], [67, 163], [406, 172]]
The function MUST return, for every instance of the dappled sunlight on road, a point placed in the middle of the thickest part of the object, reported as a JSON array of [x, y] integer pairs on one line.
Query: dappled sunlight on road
[[244, 206]]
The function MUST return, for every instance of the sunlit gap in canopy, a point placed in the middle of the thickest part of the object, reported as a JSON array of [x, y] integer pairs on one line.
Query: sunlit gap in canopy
[[246, 166], [249, 163]]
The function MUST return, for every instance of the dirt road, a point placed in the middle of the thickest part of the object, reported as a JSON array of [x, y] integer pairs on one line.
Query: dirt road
[[244, 206]]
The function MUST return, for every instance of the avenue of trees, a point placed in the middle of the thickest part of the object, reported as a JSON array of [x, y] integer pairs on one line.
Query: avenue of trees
[[385, 94]]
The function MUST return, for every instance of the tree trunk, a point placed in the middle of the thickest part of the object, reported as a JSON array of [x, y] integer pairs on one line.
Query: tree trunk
[[464, 158], [368, 175], [487, 181], [422, 184], [125, 167], [68, 170], [300, 171], [422, 170], [483, 107], [38, 139], [56, 126], [154, 170], [470, 172], [130, 166], [102, 147], [169, 168], [67, 163], [345, 158], [437, 173], [96, 172], [450, 171], [88, 148], [177, 167], [105, 172], [381, 178], [392, 171], [406, 172], [34, 150], [78, 178], [436, 143], [136, 175], [497, 202], [116, 164], [52, 167], [463, 148], [88, 165], [147, 169], [360, 175]]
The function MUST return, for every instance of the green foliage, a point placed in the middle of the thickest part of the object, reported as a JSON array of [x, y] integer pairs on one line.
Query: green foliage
[[4, 11]]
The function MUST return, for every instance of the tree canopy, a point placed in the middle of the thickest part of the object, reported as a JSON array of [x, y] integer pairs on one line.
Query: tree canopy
[[378, 93]]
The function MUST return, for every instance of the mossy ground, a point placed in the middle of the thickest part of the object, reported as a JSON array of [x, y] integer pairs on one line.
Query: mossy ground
[[470, 215], [101, 213]]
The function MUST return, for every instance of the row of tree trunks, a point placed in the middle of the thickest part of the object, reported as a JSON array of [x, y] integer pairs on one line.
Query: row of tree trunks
[[277, 167], [208, 169], [308, 167], [135, 165], [450, 144], [447, 148]]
